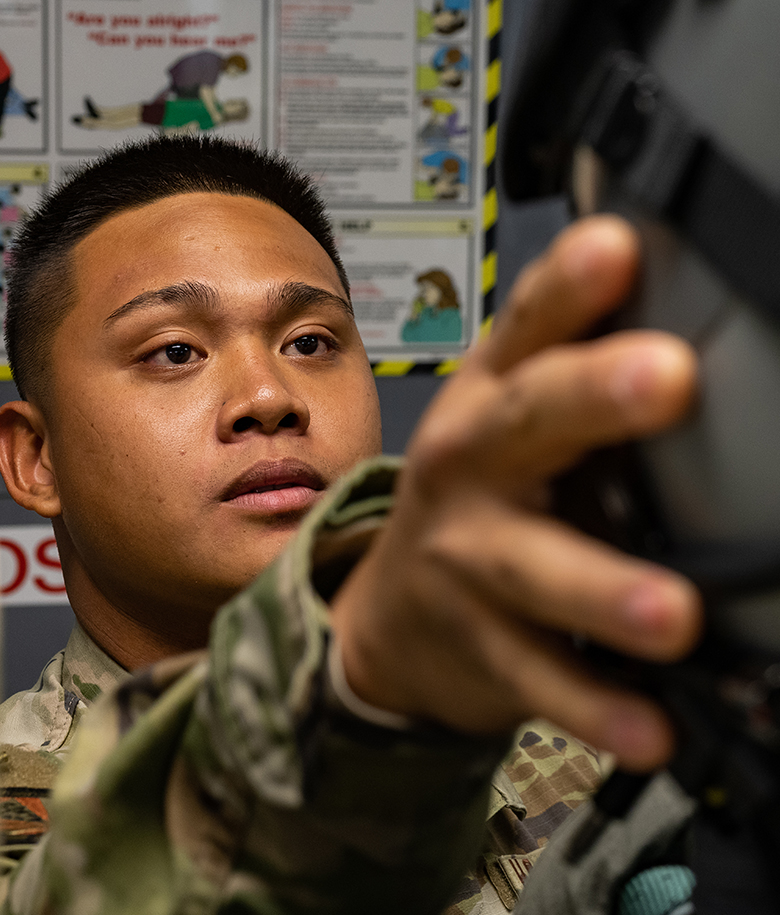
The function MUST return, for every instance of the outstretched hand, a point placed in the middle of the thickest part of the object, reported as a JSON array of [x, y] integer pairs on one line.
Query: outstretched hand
[[462, 611]]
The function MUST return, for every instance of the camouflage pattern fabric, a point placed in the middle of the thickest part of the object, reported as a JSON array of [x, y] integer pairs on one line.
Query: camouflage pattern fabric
[[25, 779], [46, 716], [545, 776], [36, 730], [593, 883], [235, 780]]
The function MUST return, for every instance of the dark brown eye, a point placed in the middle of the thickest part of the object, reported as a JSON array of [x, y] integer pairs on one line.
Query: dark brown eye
[[307, 345], [178, 353]]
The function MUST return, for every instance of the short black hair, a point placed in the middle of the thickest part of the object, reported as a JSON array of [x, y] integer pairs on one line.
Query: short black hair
[[40, 284]]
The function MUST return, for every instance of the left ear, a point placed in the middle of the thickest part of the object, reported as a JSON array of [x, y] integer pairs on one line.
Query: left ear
[[25, 459]]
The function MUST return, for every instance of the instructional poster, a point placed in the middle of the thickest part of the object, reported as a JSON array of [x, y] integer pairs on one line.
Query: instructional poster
[[128, 67], [383, 102]]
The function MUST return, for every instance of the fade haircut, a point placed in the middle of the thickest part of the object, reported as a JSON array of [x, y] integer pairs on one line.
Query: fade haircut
[[40, 281]]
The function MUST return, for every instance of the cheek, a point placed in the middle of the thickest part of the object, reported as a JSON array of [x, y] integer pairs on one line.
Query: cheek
[[357, 424], [373, 427], [118, 450]]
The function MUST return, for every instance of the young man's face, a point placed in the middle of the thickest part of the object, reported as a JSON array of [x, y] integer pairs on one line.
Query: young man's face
[[209, 383]]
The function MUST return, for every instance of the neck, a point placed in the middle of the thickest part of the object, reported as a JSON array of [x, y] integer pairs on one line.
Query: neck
[[130, 643], [134, 636]]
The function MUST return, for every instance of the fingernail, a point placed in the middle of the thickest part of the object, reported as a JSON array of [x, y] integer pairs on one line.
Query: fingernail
[[652, 368], [634, 378], [647, 606]]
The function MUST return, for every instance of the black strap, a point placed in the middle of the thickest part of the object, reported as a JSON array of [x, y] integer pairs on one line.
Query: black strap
[[680, 174]]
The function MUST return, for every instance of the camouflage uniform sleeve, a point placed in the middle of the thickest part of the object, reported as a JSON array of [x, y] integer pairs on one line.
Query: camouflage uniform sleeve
[[545, 776], [236, 782]]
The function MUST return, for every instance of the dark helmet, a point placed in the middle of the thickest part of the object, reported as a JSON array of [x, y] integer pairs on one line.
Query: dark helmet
[[668, 112]]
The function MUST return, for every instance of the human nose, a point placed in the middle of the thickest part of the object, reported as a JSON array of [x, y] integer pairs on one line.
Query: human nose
[[260, 397]]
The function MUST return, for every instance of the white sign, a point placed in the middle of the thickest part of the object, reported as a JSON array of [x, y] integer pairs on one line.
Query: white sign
[[384, 104], [30, 570]]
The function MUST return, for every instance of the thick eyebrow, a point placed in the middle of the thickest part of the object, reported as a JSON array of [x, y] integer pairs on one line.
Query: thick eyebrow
[[197, 296], [287, 300], [291, 299]]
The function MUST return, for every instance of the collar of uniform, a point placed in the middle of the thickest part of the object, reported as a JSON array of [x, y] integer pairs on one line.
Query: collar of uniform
[[44, 717], [87, 670]]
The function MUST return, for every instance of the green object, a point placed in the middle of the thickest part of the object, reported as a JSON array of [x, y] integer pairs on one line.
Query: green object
[[433, 325]]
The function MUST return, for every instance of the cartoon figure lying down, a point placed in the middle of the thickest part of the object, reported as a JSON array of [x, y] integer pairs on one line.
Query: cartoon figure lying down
[[444, 176], [445, 17], [450, 64], [449, 16], [171, 115]]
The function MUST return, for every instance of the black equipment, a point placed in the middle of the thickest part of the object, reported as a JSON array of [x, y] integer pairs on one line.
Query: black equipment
[[673, 107]]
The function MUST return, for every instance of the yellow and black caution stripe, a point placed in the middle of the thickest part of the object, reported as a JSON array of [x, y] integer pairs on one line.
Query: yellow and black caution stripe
[[395, 368], [490, 202]]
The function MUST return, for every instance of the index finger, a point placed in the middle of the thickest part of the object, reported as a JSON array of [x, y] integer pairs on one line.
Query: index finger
[[585, 274]]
